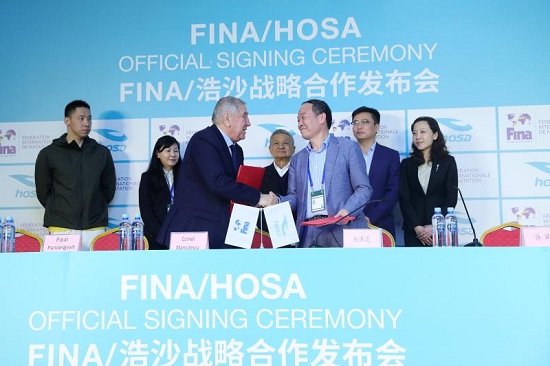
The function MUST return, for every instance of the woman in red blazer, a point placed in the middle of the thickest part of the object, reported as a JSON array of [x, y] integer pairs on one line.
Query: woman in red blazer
[[427, 179]]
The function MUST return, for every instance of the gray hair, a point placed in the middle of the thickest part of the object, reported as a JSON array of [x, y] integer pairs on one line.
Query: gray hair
[[281, 131], [225, 105]]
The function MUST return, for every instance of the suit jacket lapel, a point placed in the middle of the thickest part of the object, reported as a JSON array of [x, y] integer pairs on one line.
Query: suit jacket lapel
[[433, 177], [222, 144], [376, 156], [330, 161]]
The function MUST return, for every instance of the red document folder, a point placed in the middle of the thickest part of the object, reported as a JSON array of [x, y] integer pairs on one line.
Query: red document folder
[[251, 176], [328, 221]]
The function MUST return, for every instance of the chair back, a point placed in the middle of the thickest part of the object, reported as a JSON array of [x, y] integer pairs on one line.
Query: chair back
[[110, 240], [505, 235], [388, 240], [25, 241]]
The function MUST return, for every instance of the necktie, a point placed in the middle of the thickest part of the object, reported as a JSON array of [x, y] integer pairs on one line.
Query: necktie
[[234, 158]]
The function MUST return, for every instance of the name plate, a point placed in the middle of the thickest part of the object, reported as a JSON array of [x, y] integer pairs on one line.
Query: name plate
[[363, 238], [62, 243], [535, 236], [189, 241]]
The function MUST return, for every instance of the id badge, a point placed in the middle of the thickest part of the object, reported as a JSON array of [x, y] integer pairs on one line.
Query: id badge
[[317, 200]]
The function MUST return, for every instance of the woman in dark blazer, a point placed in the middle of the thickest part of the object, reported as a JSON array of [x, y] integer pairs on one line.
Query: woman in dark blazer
[[428, 179], [157, 187]]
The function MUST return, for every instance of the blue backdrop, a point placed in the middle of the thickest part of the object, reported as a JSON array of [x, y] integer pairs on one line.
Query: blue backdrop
[[153, 68]]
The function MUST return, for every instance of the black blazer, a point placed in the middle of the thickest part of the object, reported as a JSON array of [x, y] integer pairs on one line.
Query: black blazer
[[154, 198], [417, 207], [202, 200], [273, 182]]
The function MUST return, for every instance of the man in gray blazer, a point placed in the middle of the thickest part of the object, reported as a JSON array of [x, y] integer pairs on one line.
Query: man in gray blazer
[[327, 178]]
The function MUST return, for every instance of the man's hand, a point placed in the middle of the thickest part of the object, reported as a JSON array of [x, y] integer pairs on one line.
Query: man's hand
[[268, 200], [342, 213]]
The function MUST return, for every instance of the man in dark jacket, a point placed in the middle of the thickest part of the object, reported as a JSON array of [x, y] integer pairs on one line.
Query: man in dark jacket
[[75, 178]]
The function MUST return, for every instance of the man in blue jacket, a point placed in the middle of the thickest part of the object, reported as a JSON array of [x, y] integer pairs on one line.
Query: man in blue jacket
[[382, 166]]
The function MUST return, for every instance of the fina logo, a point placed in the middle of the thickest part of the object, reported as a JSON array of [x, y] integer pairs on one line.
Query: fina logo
[[173, 130], [524, 213], [27, 180], [271, 127], [115, 136], [341, 128], [456, 125], [9, 135], [543, 167], [521, 121], [241, 226]]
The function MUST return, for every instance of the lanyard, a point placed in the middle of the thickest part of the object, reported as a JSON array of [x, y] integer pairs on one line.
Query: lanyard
[[170, 186], [309, 173], [172, 193]]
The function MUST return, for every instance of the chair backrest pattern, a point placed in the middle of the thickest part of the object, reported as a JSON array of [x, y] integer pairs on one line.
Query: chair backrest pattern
[[25, 241], [109, 240], [505, 235]]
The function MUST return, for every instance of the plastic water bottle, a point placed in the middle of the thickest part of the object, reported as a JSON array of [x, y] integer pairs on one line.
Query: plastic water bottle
[[8, 235], [451, 226], [438, 228], [137, 233], [125, 232]]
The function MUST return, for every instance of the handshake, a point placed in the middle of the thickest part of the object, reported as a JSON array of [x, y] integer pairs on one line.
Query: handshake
[[268, 200]]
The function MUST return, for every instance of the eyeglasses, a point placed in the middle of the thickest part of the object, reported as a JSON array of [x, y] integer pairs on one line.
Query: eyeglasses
[[362, 122]]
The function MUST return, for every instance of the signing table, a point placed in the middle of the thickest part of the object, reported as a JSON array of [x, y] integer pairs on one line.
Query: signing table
[[383, 306]]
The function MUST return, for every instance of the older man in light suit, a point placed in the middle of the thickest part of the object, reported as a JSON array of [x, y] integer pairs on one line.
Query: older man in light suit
[[327, 178]]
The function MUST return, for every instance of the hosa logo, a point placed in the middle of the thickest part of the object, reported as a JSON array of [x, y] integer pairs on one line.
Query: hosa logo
[[460, 129], [26, 180], [272, 127], [114, 136], [113, 222], [543, 167], [281, 228], [518, 131], [463, 224], [5, 149]]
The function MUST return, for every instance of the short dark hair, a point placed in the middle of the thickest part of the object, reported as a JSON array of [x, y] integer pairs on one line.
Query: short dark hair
[[373, 112], [72, 106], [439, 147], [319, 107]]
